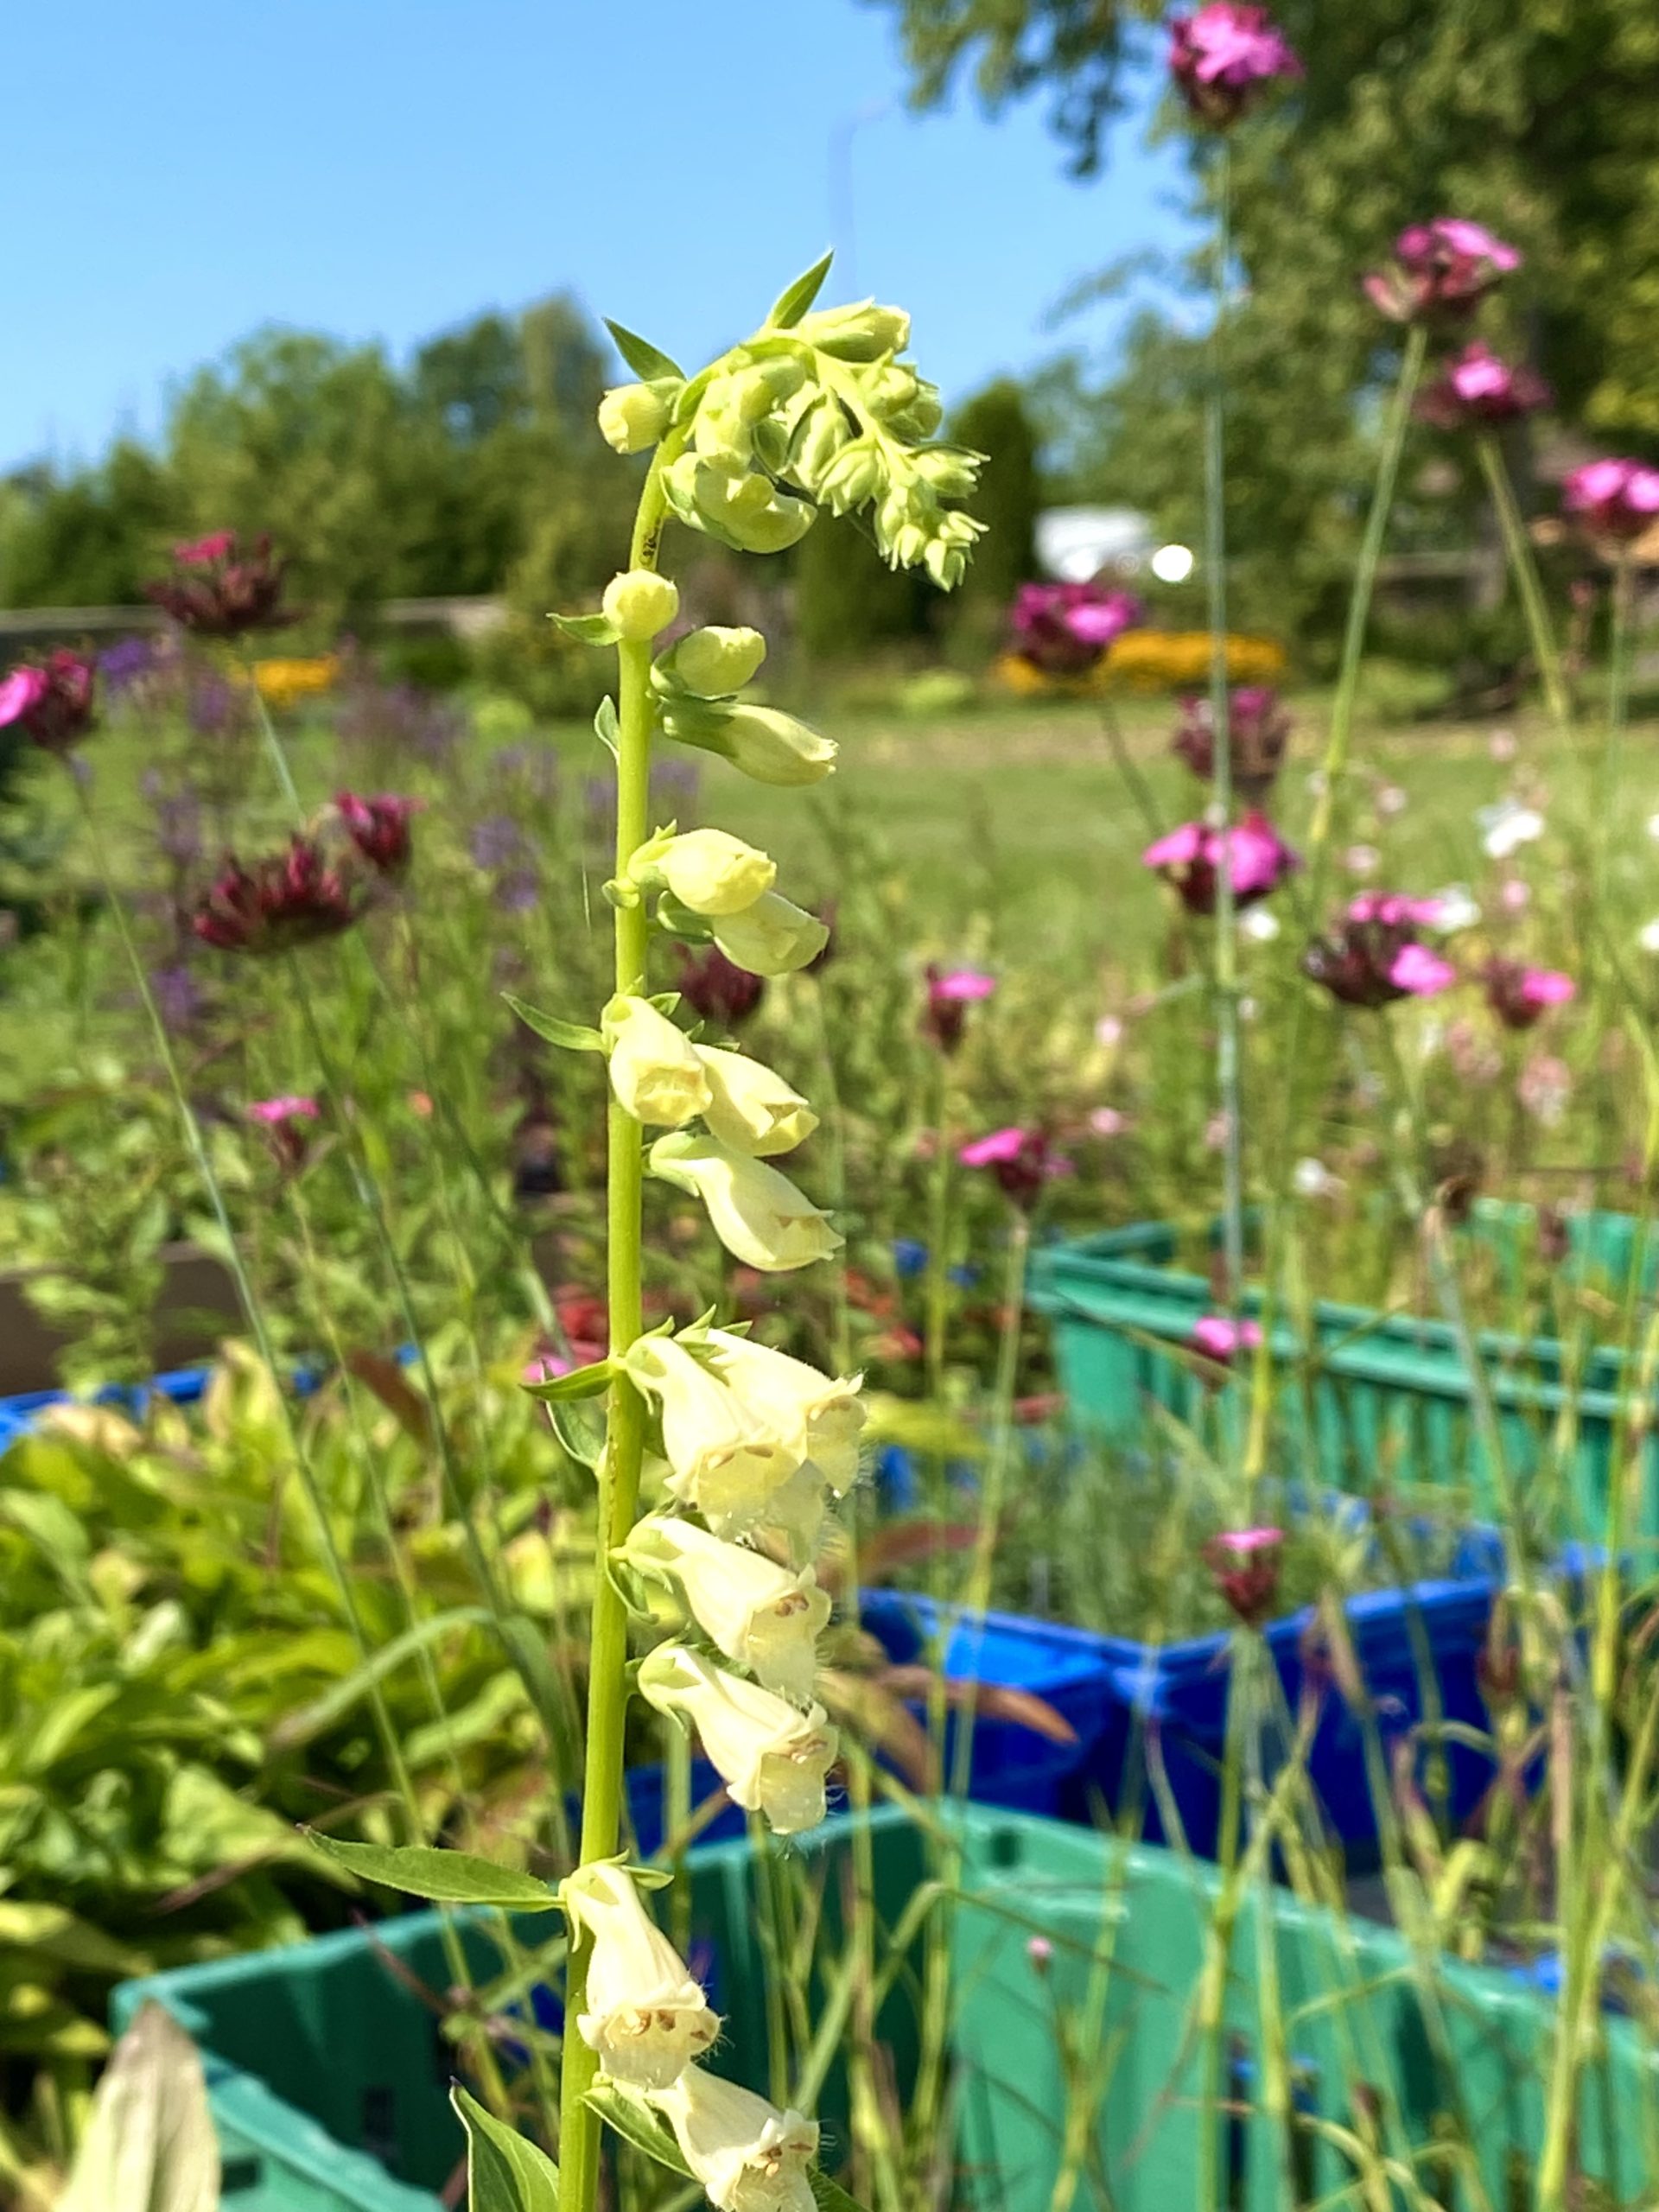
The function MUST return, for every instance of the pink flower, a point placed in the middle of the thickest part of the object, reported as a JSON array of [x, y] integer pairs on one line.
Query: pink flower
[[1064, 628], [1190, 859], [1373, 956], [283, 899], [951, 992], [1219, 1338], [1419, 973], [1617, 500], [1245, 1544], [1394, 908], [20, 693], [1223, 55], [1107, 1121], [202, 552], [53, 704], [1478, 387], [1544, 1087], [1245, 1564], [1440, 269], [218, 591], [292, 1106], [1514, 896], [1022, 1161], [965, 984], [378, 826], [1519, 996]]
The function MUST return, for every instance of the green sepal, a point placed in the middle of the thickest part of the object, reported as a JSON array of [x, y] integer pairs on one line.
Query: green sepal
[[443, 1877], [792, 304], [626, 2112], [505, 2172], [646, 359], [569, 1036], [692, 397], [585, 629], [681, 921], [607, 728], [587, 1382]]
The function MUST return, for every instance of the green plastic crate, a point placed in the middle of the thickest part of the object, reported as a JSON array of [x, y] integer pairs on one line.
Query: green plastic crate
[[1382, 1393], [327, 2075]]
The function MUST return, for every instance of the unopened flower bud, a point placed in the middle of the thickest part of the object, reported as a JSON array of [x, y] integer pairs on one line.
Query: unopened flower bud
[[715, 663], [922, 417], [761, 1616], [707, 870], [862, 333], [655, 1070], [772, 1758], [758, 1214], [747, 513], [771, 936], [764, 743], [853, 477], [632, 417], [948, 471], [765, 384], [889, 390], [638, 603], [748, 2156], [823, 432], [646, 2018], [751, 1108]]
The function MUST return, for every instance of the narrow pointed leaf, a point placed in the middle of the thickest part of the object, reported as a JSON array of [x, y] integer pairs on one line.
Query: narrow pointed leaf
[[323, 1712], [571, 1036], [585, 629], [830, 2195], [505, 2172], [792, 304], [443, 1877], [581, 1436], [642, 357], [581, 1382], [636, 2123], [606, 728]]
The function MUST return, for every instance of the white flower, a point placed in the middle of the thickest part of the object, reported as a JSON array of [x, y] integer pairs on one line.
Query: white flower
[[820, 1416], [761, 1616], [655, 1070], [1260, 924], [758, 1214], [752, 1109], [1311, 1179], [1653, 825], [771, 937], [1507, 826], [725, 1456], [1362, 860], [1648, 936], [772, 1758], [706, 870], [1391, 800], [646, 2016], [1108, 1030], [1454, 909], [748, 2156]]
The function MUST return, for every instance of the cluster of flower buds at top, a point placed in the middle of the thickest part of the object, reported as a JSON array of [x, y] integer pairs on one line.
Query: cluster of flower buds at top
[[1224, 56], [1520, 996], [1616, 501], [1258, 733], [1190, 860], [1478, 388], [1376, 956], [217, 590], [1064, 629], [52, 701], [1440, 270]]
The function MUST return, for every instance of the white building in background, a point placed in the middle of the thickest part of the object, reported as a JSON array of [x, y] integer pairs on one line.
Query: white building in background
[[1074, 544]]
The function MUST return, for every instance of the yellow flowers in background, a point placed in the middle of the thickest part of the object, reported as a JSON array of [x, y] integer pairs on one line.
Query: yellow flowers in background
[[289, 682], [1147, 660]]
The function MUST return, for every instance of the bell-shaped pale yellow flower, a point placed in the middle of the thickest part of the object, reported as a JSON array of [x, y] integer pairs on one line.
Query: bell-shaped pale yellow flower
[[773, 1758], [752, 1109], [820, 1415], [765, 743], [655, 1072], [724, 1457], [646, 2018], [707, 870], [771, 937], [748, 2156], [758, 1214], [761, 1616]]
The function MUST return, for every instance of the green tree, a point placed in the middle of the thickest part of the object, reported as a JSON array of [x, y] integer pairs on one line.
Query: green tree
[[997, 422]]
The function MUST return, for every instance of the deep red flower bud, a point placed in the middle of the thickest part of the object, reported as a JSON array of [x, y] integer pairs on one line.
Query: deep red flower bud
[[1520, 996], [53, 702], [1258, 731], [716, 988], [217, 591], [283, 899], [1245, 1564], [951, 992], [378, 826]]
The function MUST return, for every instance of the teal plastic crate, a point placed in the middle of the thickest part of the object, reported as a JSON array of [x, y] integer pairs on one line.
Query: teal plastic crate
[[327, 2073], [1374, 1396]]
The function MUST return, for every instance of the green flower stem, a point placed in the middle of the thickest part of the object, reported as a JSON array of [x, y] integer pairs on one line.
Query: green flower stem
[[619, 1466], [1619, 655], [1516, 545]]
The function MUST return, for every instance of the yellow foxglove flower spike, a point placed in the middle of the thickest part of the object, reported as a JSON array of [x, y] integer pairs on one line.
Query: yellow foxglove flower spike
[[749, 2156], [760, 1615], [773, 1758], [770, 936], [752, 1109], [707, 870], [655, 1072], [820, 1416], [646, 2018], [758, 1214], [724, 1457]]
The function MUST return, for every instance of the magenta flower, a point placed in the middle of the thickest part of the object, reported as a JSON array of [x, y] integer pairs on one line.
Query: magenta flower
[[1520, 996], [1545, 1087], [379, 828], [1221, 1338], [1245, 1564], [1478, 387], [1064, 628], [1022, 1161], [1440, 270], [1258, 730], [1614, 499], [286, 1121], [218, 591], [1374, 956], [951, 992], [1419, 974], [1394, 909], [1223, 55], [282, 900], [54, 702], [1190, 859]]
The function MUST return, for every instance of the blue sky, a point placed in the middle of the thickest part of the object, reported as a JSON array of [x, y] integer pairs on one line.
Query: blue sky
[[180, 174]]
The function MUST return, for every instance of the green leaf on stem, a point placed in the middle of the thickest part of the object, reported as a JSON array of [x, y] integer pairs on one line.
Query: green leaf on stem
[[442, 1877], [585, 629], [570, 1036], [792, 304], [830, 2195], [635, 2122], [581, 1436], [580, 1383], [606, 728], [505, 2172], [642, 357]]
